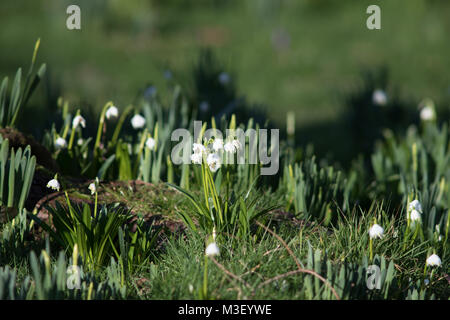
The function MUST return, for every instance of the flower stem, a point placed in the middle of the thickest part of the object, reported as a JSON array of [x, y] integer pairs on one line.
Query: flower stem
[[100, 127], [72, 134], [205, 279]]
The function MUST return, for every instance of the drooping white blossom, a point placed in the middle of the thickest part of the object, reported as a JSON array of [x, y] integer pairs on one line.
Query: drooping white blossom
[[415, 205], [415, 215], [212, 250], [237, 145], [217, 145], [54, 184], [112, 112], [198, 148], [60, 143], [379, 97], [427, 113], [196, 158], [228, 147], [434, 260], [232, 146], [92, 187], [376, 231], [78, 120], [138, 121], [214, 162], [150, 143]]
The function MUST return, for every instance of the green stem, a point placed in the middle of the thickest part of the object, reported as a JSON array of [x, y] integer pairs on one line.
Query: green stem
[[446, 231], [138, 159], [72, 134], [100, 127], [205, 279], [95, 205], [120, 124]]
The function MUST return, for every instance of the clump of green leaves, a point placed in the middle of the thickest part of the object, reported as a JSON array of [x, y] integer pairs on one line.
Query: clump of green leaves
[[12, 103], [94, 231], [16, 175]]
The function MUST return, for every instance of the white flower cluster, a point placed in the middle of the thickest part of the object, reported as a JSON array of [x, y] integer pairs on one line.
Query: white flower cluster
[[213, 152], [212, 159], [414, 211]]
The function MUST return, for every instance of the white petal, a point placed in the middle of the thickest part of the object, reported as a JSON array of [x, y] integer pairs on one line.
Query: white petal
[[434, 260], [376, 231], [212, 250], [112, 112], [150, 143], [79, 120], [138, 121]]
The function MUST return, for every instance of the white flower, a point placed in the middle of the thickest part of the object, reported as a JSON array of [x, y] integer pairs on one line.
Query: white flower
[[229, 147], [376, 231], [198, 148], [212, 250], [213, 161], [237, 145], [138, 121], [53, 184], [60, 143], [217, 145], [78, 120], [414, 215], [427, 113], [224, 78], [232, 146], [150, 143], [426, 281], [92, 187], [80, 142], [434, 260], [197, 158], [379, 97], [112, 112], [415, 205]]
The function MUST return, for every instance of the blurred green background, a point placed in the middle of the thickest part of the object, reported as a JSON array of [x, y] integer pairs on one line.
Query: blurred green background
[[289, 55]]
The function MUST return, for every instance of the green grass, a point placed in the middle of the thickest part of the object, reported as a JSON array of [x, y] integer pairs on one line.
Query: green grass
[[126, 47], [312, 240], [177, 273]]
